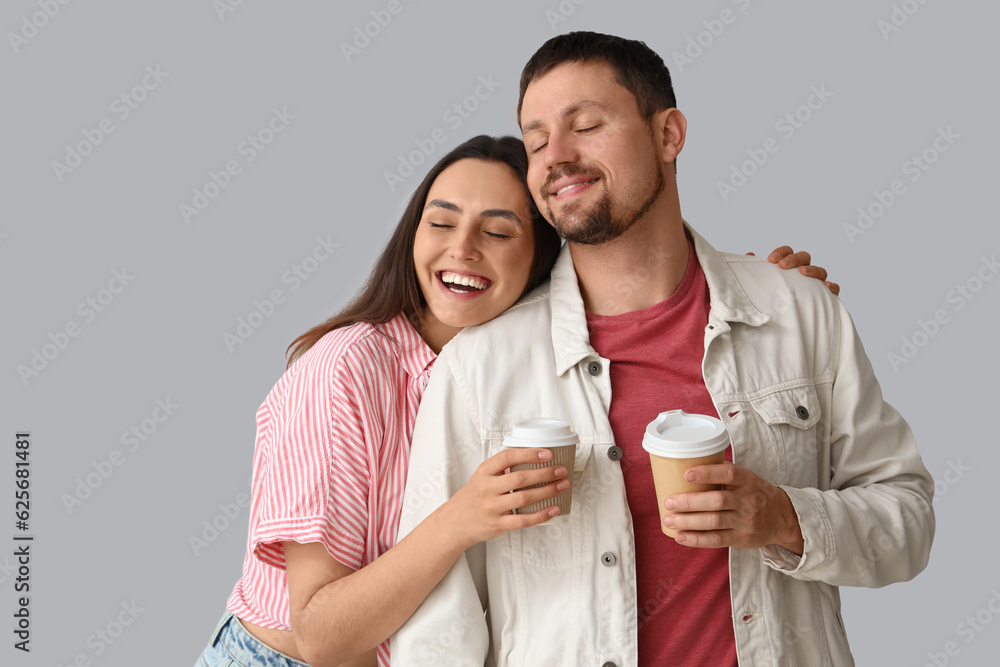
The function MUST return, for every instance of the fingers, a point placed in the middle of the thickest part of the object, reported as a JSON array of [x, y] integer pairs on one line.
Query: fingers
[[504, 493], [817, 272], [523, 479], [703, 501], [800, 258], [778, 253], [525, 497], [718, 473], [512, 456], [706, 540], [515, 521], [699, 521]]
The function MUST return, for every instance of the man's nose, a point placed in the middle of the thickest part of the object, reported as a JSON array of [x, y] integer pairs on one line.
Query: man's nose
[[561, 149]]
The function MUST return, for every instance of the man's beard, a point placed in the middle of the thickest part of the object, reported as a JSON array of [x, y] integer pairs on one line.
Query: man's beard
[[599, 225]]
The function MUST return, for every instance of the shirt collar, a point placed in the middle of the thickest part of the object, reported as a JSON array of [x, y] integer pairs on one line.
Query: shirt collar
[[570, 336], [414, 354]]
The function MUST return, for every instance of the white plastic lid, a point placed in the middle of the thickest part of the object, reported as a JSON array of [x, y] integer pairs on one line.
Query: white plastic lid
[[541, 433], [677, 435]]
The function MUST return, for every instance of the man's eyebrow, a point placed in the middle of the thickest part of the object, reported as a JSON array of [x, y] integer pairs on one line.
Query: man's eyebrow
[[441, 203], [583, 105]]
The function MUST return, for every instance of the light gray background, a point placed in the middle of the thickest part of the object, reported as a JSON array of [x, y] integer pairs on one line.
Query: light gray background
[[323, 176]]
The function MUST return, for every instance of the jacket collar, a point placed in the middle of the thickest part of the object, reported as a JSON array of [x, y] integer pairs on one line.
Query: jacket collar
[[727, 298], [570, 336]]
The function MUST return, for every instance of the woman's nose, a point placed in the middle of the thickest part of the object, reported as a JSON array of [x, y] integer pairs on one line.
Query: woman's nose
[[464, 246]]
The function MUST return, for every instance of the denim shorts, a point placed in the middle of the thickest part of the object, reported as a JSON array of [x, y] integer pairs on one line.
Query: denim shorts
[[232, 646]]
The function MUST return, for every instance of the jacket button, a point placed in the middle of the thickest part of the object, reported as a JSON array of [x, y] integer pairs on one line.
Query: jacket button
[[594, 368], [802, 413], [608, 559], [609, 664], [615, 453]]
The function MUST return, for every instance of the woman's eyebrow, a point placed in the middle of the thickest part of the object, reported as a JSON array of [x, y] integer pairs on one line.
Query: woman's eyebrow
[[501, 213], [488, 213], [441, 203]]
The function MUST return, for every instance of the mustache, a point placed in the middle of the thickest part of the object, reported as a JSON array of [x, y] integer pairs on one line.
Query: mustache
[[567, 170]]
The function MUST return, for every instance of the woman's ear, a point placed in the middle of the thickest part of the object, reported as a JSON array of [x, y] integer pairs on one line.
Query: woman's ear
[[670, 128]]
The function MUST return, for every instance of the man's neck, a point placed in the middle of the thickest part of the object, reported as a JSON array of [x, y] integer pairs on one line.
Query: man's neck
[[635, 271]]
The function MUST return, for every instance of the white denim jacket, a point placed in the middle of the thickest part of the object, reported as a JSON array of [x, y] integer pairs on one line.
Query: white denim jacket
[[787, 372]]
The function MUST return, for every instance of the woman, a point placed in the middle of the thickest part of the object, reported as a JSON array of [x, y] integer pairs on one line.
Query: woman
[[320, 582]]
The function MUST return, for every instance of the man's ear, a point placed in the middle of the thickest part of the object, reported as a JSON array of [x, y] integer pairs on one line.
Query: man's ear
[[669, 128]]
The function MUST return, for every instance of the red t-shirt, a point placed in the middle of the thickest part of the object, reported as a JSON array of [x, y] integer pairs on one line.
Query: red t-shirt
[[685, 611]]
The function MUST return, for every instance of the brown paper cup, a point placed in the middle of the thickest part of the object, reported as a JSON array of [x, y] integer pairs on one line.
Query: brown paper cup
[[677, 441], [668, 477], [564, 456]]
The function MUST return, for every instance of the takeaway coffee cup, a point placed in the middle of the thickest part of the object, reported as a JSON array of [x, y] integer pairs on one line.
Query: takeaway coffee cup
[[558, 438], [677, 441]]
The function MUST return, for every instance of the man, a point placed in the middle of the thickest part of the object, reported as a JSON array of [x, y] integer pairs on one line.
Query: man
[[824, 486]]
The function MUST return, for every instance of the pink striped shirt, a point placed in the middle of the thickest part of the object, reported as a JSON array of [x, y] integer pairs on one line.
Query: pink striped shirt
[[330, 460]]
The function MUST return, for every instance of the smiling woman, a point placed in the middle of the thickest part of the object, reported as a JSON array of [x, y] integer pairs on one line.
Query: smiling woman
[[322, 581], [470, 247]]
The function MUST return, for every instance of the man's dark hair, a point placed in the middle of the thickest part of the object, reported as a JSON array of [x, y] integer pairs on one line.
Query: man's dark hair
[[637, 68]]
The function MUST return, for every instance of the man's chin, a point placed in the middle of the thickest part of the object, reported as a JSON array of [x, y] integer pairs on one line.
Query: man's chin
[[596, 234]]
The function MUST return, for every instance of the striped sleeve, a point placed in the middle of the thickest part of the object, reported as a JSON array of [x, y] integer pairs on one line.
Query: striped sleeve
[[315, 477]]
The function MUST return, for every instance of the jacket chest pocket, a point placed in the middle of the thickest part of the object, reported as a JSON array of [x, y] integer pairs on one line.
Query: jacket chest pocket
[[553, 544], [793, 417]]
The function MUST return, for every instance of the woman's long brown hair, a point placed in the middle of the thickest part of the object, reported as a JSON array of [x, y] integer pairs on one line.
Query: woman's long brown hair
[[392, 287]]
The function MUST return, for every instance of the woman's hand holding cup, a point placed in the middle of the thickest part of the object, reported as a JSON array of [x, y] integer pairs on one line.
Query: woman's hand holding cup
[[484, 507]]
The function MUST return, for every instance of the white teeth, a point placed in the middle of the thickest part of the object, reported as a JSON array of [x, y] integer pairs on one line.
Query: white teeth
[[574, 185], [452, 279]]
